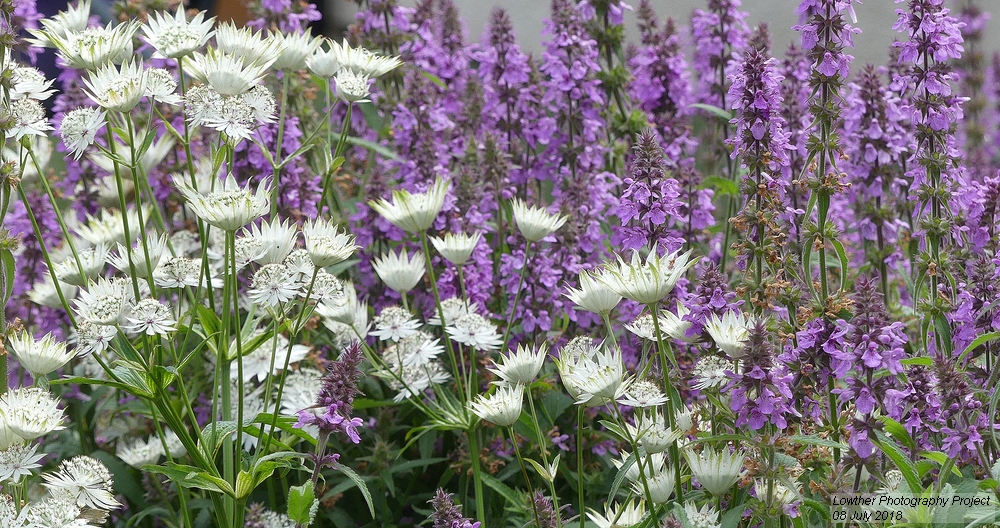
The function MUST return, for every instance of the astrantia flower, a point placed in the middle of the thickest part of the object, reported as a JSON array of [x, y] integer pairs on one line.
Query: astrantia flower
[[175, 36], [361, 61], [327, 245], [717, 471], [79, 127], [521, 366], [31, 412], [55, 512], [160, 85], [570, 357], [260, 101], [324, 62], [109, 229], [643, 394], [652, 433], [400, 272], [177, 272], [535, 223], [475, 331], [39, 357], [247, 44], [275, 240], [710, 372], [75, 18], [17, 461], [91, 260], [226, 73], [502, 408], [650, 281], [325, 288], [706, 517], [118, 89], [43, 292], [150, 317], [104, 302], [29, 118], [414, 351], [593, 295], [413, 213], [730, 332], [273, 284], [394, 323], [351, 87], [86, 481], [153, 248], [456, 247], [28, 82], [600, 375], [230, 207], [660, 484], [344, 308], [234, 118], [651, 463], [617, 515], [675, 325], [453, 308], [201, 103], [93, 338], [92, 48], [779, 494], [296, 47]]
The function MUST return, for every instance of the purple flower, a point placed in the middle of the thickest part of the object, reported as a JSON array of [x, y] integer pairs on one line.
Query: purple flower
[[336, 397], [761, 393]]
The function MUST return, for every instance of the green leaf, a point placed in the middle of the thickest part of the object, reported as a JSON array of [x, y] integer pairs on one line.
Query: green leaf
[[722, 186], [300, 501], [360, 483], [8, 265], [434, 79], [898, 432], [919, 361], [941, 460], [817, 441], [721, 113], [620, 477], [213, 434], [903, 464], [732, 518], [504, 490], [978, 342], [192, 477], [135, 380]]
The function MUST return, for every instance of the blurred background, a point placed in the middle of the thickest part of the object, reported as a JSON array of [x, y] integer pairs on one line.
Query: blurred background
[[875, 18]]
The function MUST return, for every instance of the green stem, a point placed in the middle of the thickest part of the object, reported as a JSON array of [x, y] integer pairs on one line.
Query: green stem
[[517, 296], [524, 472], [477, 473]]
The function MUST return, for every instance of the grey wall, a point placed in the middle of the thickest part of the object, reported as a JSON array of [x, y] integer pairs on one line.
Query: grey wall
[[875, 18]]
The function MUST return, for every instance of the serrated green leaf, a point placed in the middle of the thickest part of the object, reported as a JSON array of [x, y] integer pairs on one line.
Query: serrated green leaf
[[903, 464], [300, 501], [360, 483], [978, 342]]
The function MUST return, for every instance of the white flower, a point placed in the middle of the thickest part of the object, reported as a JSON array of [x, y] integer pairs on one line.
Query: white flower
[[92, 260], [93, 338], [618, 516], [175, 36], [710, 372], [457, 248], [226, 73], [651, 432], [717, 471], [600, 376], [475, 331], [86, 480], [351, 87], [779, 494], [273, 284], [651, 464], [104, 302], [413, 381], [301, 392], [247, 44], [28, 82], [260, 101], [535, 223], [177, 272], [75, 18], [394, 323], [650, 281], [322, 62], [593, 296], [201, 103], [660, 483], [344, 308], [30, 412], [706, 517], [109, 229], [413, 213], [275, 240], [234, 118], [230, 207], [570, 357], [296, 47], [118, 89], [39, 357], [674, 325], [150, 317], [139, 452], [361, 61], [400, 272], [92, 48], [43, 293], [29, 119], [55, 512], [327, 245], [17, 461], [502, 408], [643, 394], [453, 308], [521, 366], [413, 351], [324, 288], [160, 85], [79, 128], [730, 332], [154, 247]]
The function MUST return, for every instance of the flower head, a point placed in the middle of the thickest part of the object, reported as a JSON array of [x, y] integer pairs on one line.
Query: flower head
[[90, 260], [618, 515], [394, 323], [228, 208], [400, 272], [413, 213], [535, 223], [31, 412], [247, 44], [17, 461], [730, 332], [600, 375], [275, 240], [705, 517], [79, 127], [593, 295], [104, 302], [273, 284], [502, 408], [352, 87], [150, 317], [29, 118], [226, 73], [650, 281], [717, 471], [118, 89], [296, 48], [710, 372], [92, 48], [457, 247], [154, 247], [474, 330], [643, 394], [361, 61], [86, 481], [177, 36], [39, 357], [326, 244], [521, 366]]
